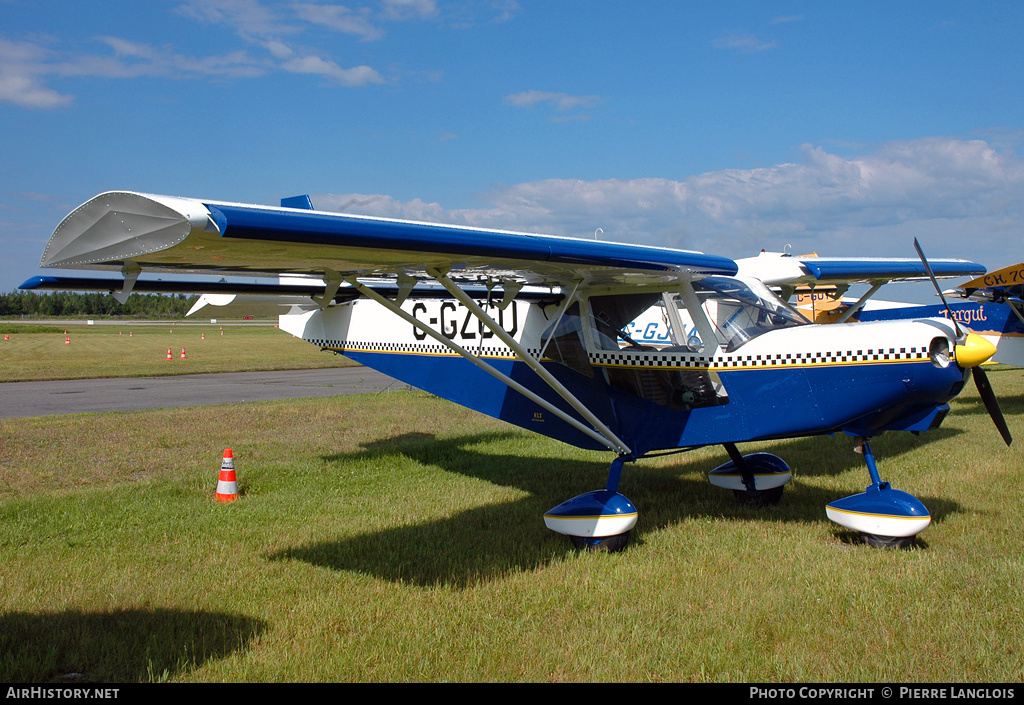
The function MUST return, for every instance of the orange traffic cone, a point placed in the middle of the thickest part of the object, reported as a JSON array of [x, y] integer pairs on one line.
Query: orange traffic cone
[[6, 336], [227, 485], [67, 340], [169, 356], [183, 353]]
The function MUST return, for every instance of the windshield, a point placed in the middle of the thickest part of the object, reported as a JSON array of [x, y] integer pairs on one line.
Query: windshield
[[742, 310]]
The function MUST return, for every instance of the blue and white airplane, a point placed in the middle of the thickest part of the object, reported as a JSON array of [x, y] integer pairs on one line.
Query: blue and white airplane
[[555, 335]]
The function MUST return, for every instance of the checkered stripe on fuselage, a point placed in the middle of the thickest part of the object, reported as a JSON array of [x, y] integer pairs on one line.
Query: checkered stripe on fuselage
[[726, 361], [376, 346], [652, 359]]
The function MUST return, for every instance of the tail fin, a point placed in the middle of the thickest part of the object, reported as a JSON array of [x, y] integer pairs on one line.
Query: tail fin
[[301, 202]]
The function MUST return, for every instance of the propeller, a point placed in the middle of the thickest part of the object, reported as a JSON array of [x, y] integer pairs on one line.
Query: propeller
[[976, 344]]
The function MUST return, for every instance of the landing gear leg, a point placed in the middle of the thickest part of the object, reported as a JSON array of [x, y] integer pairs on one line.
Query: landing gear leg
[[596, 521], [884, 517], [751, 494], [756, 479]]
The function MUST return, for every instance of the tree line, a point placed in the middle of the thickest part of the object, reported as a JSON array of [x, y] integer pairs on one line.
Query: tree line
[[71, 304]]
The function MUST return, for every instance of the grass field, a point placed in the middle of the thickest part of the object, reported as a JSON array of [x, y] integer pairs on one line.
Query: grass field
[[397, 537], [41, 351]]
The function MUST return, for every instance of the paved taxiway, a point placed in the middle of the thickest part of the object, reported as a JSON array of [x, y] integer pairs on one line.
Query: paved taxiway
[[77, 396]]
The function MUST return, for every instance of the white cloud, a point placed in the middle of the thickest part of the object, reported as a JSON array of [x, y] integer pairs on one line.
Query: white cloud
[[251, 19], [561, 102], [339, 18], [959, 197], [746, 43], [26, 90], [409, 9], [358, 76], [21, 67], [26, 67], [365, 22]]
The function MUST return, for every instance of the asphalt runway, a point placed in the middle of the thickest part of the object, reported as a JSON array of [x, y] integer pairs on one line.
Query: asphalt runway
[[76, 396]]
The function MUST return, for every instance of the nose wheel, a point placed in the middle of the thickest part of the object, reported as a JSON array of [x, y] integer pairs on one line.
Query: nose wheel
[[882, 516], [611, 544]]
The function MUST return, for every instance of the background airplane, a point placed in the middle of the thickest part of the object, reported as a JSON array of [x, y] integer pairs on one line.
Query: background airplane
[[991, 305], [537, 330]]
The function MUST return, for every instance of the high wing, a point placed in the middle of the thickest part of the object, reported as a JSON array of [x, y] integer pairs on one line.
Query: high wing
[[776, 269], [820, 282], [1005, 282], [134, 232]]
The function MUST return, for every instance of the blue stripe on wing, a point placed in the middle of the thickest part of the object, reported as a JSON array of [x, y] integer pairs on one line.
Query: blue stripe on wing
[[332, 229]]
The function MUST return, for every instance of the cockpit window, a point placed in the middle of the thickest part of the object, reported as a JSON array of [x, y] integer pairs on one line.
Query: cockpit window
[[613, 317], [742, 310]]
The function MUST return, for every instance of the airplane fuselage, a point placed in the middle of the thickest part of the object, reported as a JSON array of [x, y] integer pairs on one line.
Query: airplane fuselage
[[809, 379]]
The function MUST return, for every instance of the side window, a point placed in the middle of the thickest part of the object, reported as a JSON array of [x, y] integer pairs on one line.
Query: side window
[[563, 342], [640, 323], [612, 318]]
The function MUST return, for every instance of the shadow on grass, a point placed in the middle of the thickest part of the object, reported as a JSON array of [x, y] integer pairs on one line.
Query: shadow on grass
[[125, 646], [486, 542], [1011, 406]]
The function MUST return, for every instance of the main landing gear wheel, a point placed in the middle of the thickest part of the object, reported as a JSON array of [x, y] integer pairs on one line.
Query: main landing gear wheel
[[610, 544], [756, 480], [890, 542], [760, 498], [594, 521]]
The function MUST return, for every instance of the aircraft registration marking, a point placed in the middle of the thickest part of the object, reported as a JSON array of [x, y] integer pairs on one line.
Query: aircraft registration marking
[[456, 322], [1007, 276]]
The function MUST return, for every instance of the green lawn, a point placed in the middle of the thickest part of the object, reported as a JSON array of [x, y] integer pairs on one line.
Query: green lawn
[[397, 537], [43, 351]]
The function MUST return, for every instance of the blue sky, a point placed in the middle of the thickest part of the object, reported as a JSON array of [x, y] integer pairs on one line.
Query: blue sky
[[846, 128]]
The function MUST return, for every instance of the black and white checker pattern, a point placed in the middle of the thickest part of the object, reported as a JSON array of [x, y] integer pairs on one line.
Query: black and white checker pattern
[[376, 346], [651, 359], [726, 361]]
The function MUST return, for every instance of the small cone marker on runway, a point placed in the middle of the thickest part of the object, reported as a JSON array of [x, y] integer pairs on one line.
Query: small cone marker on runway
[[227, 485], [169, 356], [183, 353], [67, 340]]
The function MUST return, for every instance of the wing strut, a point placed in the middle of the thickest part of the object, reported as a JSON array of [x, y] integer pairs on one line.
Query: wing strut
[[603, 436], [860, 302], [1014, 309], [617, 445]]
